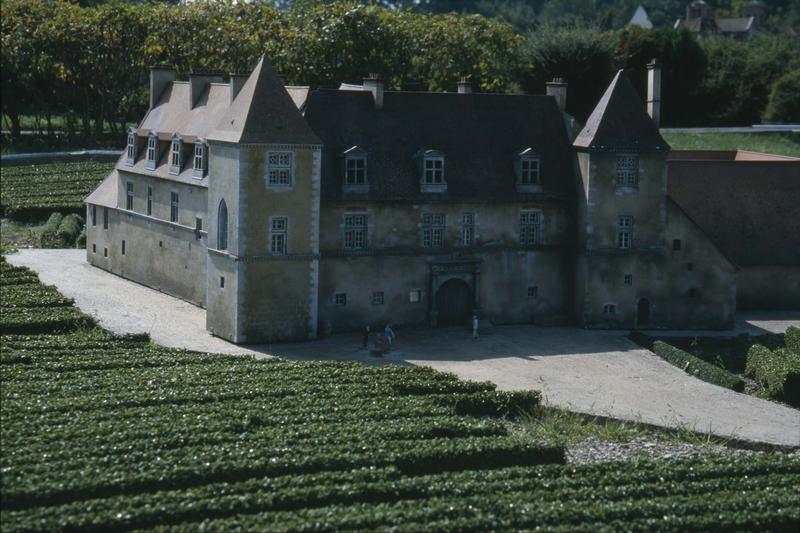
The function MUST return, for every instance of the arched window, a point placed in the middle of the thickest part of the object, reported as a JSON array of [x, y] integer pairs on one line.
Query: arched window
[[222, 226]]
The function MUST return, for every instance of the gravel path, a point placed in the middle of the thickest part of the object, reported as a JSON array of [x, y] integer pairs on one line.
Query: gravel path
[[594, 372]]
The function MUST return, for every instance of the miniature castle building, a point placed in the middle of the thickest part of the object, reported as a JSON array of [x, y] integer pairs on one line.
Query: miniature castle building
[[283, 209]]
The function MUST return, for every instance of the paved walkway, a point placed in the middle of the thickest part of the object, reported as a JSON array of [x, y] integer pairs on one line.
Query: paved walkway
[[595, 372]]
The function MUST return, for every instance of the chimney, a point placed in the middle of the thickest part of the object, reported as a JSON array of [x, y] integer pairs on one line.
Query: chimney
[[654, 92], [464, 85], [237, 82], [161, 76], [558, 90], [198, 82], [374, 84]]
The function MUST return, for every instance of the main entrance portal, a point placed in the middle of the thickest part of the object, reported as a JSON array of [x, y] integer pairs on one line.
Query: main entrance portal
[[643, 312], [454, 303]]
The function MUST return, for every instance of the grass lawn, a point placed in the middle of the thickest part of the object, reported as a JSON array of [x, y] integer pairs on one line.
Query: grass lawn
[[107, 433], [781, 143]]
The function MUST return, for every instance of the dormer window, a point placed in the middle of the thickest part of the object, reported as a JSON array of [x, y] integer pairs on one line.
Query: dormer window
[[199, 159], [152, 151], [355, 170], [130, 150], [626, 171], [175, 155], [529, 170], [433, 172]]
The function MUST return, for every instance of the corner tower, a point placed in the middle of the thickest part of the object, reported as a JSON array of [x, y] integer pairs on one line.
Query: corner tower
[[622, 214], [263, 205]]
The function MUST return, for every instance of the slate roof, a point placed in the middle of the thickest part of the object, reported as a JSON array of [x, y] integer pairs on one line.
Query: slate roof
[[620, 122], [263, 113], [747, 208], [713, 25], [479, 135], [106, 193]]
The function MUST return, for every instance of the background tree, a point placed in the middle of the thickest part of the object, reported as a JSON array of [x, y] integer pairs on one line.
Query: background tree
[[784, 99], [582, 56], [683, 66]]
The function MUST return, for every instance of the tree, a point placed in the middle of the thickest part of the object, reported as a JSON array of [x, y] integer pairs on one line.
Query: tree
[[683, 65], [582, 56], [784, 99]]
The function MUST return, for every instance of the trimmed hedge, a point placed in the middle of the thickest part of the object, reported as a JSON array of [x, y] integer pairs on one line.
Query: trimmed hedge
[[697, 367], [777, 371], [792, 339], [69, 229]]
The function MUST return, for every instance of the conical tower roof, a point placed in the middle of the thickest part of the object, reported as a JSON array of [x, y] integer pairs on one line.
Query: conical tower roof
[[264, 113], [620, 122]]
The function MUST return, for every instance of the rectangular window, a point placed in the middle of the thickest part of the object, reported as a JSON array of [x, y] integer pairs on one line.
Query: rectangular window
[[123, 247], [529, 172], [340, 299], [149, 207], [434, 170], [377, 298], [198, 227], [175, 157], [626, 170], [689, 267], [355, 171], [533, 292], [628, 279], [222, 282], [105, 252], [152, 151], [355, 232], [199, 160], [278, 231], [279, 169], [105, 218], [94, 215], [415, 296], [130, 150], [129, 196], [676, 244], [624, 232], [467, 229], [433, 226], [173, 206], [94, 248], [530, 228], [610, 309]]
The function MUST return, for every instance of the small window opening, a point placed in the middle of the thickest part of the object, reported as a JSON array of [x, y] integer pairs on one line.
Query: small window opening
[[610, 309], [377, 298], [105, 252], [628, 279], [222, 282], [533, 291], [94, 248], [123, 247], [415, 296], [676, 244], [689, 267], [340, 299]]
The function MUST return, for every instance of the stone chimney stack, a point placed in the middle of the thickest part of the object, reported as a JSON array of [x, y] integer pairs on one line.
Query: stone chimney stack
[[464, 85], [374, 84], [237, 82], [654, 91], [198, 81], [161, 76], [558, 90]]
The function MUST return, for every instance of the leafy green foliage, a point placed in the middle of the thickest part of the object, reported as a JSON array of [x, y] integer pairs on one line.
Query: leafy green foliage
[[784, 99], [29, 190], [792, 339], [697, 367], [778, 371]]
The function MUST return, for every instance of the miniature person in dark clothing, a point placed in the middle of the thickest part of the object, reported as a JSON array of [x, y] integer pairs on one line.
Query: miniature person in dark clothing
[[366, 336]]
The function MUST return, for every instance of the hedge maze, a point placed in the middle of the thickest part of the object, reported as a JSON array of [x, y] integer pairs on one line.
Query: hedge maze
[[109, 433]]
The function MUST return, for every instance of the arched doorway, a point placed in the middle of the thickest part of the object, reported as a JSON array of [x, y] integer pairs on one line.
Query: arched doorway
[[643, 312], [454, 303]]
